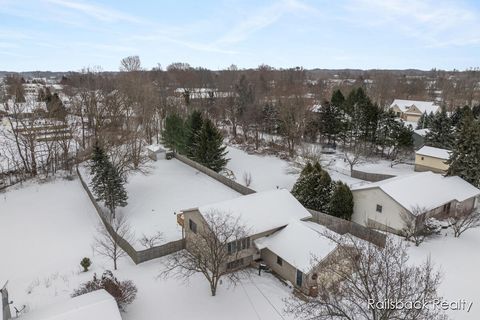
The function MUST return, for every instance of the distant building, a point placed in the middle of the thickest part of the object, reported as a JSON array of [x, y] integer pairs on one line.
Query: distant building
[[394, 204], [411, 110], [432, 159], [155, 152], [419, 138]]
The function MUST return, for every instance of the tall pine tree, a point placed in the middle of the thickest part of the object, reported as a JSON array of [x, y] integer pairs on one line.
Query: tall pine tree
[[465, 157], [173, 135], [341, 202], [441, 132], [209, 148], [193, 128], [313, 188]]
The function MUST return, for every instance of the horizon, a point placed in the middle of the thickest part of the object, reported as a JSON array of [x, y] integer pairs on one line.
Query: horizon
[[68, 35]]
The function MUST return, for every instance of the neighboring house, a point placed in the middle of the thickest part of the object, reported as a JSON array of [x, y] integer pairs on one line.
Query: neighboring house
[[432, 159], [411, 110], [298, 252], [155, 152], [394, 204], [96, 305], [419, 138], [262, 214]]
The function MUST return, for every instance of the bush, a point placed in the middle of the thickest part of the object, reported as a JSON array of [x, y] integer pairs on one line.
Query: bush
[[85, 263], [124, 292]]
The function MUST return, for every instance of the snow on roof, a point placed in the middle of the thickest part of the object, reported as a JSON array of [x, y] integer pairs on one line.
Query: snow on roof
[[316, 108], [422, 132], [96, 305], [426, 190], [423, 106], [261, 211], [434, 152], [299, 243], [155, 148]]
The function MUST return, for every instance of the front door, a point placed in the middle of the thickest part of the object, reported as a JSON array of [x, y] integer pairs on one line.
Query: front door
[[299, 278]]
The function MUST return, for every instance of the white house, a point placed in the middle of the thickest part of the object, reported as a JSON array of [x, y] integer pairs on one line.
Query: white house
[[432, 159], [394, 203], [412, 110], [96, 305]]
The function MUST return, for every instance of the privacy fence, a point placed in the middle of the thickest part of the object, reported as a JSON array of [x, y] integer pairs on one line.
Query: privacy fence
[[370, 176], [342, 226], [136, 256]]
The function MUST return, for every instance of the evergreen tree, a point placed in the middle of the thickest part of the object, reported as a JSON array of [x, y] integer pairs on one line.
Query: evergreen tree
[[424, 121], [313, 188], [98, 165], [114, 193], [173, 135], [209, 148], [441, 132], [194, 125], [465, 157], [330, 121], [341, 202]]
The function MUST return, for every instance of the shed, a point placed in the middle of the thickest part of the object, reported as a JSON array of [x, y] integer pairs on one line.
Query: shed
[[155, 151]]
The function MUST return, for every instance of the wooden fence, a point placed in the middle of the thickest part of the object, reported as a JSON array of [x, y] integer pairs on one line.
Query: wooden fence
[[343, 226], [222, 179], [136, 256], [370, 176]]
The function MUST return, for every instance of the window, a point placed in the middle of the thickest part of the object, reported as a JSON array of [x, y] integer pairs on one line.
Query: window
[[238, 245], [423, 158], [299, 278], [192, 225], [279, 261], [234, 264], [379, 208]]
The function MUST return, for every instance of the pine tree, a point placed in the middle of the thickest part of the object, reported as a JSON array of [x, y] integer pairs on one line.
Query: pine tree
[[465, 157], [341, 202], [98, 165], [194, 125], [173, 135], [114, 193], [313, 188], [441, 132], [209, 148]]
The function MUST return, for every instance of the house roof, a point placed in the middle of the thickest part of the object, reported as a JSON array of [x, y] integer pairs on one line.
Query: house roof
[[300, 243], [422, 132], [434, 152], [426, 190], [423, 106], [96, 305], [261, 211]]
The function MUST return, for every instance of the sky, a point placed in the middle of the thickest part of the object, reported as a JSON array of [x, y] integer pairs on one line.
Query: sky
[[68, 35]]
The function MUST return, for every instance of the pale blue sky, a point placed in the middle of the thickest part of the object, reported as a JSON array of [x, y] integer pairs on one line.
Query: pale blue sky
[[70, 34]]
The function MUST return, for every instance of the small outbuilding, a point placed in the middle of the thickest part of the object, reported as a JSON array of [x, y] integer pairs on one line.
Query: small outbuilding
[[155, 152], [432, 159]]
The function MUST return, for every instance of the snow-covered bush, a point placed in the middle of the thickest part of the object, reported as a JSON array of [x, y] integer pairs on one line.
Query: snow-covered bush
[[85, 263]]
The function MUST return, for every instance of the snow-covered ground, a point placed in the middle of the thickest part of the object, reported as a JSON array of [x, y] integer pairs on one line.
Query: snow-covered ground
[[45, 230], [169, 186], [459, 262]]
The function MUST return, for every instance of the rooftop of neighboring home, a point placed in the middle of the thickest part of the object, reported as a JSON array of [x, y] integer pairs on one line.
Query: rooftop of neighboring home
[[439, 153], [422, 132], [301, 244], [96, 305], [261, 211], [425, 190], [423, 106]]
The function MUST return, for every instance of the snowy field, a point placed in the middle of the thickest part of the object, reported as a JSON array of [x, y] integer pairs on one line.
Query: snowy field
[[459, 262], [169, 186], [270, 172], [46, 229]]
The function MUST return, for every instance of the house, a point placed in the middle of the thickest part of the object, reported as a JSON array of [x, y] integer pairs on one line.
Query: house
[[397, 203], [262, 214], [432, 159], [297, 254], [155, 152], [411, 110], [96, 305]]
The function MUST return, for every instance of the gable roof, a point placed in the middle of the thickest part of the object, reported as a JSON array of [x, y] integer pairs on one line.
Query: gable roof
[[434, 152], [299, 243], [96, 305], [261, 211], [426, 190], [423, 106]]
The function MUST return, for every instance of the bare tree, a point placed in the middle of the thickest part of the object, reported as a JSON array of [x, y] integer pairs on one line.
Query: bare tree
[[416, 228], [151, 241], [130, 63], [247, 178], [107, 241], [463, 219], [218, 241], [354, 155], [369, 279]]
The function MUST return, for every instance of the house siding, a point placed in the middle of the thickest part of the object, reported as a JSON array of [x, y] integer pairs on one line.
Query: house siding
[[430, 164]]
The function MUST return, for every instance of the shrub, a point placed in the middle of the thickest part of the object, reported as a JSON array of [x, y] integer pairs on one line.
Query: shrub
[[85, 263], [124, 292]]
